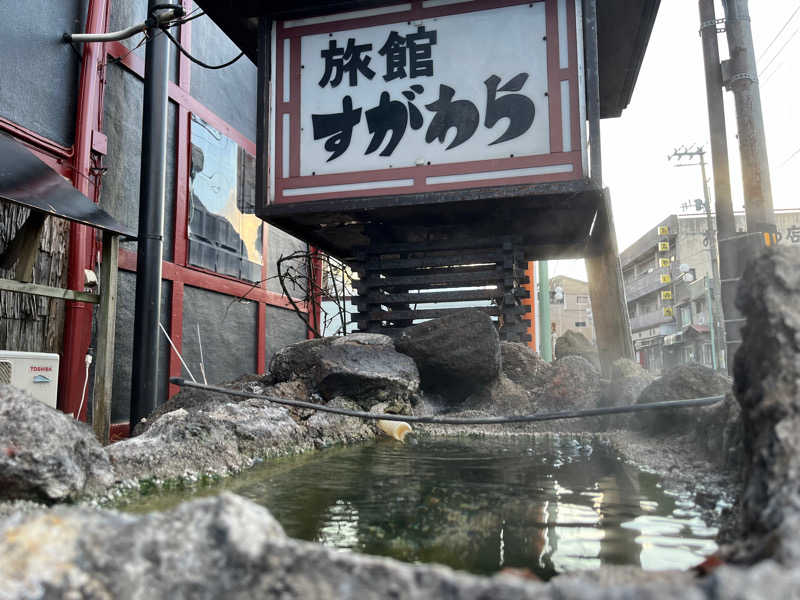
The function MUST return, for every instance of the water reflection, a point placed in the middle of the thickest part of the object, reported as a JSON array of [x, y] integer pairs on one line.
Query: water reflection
[[480, 505]]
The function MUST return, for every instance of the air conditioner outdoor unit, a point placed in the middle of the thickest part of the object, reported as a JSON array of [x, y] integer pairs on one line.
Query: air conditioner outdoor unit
[[34, 372]]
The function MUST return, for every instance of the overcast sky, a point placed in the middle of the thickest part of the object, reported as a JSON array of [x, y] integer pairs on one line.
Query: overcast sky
[[668, 109]]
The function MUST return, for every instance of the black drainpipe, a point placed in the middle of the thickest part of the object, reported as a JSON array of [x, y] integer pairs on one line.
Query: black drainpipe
[[144, 384]]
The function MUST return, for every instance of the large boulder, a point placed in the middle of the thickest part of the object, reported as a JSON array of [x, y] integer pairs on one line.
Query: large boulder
[[523, 366], [46, 455], [363, 367], [194, 399], [628, 380], [574, 383], [501, 397], [454, 354], [218, 439], [222, 547], [682, 382], [573, 343], [767, 386], [228, 547]]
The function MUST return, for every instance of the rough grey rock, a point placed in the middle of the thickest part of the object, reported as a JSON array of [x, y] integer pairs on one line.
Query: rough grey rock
[[628, 380], [767, 386], [523, 366], [223, 547], [193, 399], [501, 397], [218, 439], [454, 354], [45, 455], [682, 382], [573, 343], [228, 547], [363, 367], [574, 383]]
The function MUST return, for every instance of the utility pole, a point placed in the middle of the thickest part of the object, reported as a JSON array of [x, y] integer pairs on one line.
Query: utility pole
[[545, 341], [700, 152], [723, 205], [729, 268], [711, 318], [739, 76]]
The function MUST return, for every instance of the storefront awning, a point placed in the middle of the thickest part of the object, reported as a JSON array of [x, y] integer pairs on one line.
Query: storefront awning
[[29, 182]]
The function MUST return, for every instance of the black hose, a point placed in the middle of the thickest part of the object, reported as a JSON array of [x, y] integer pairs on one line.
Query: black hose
[[547, 416]]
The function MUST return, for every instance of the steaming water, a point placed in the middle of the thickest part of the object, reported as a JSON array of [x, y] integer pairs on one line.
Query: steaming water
[[478, 504]]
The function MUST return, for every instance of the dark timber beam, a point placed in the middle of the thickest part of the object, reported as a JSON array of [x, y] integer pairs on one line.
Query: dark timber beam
[[609, 308]]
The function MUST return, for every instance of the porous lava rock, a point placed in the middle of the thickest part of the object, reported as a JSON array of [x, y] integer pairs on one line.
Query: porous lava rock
[[218, 439], [222, 547], [574, 383], [501, 397], [523, 366], [364, 367], [193, 399], [767, 386], [46, 455], [455, 354], [628, 380], [573, 343], [682, 382], [228, 547]]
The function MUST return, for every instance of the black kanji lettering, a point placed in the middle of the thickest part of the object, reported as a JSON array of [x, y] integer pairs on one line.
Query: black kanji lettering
[[392, 115], [337, 127], [793, 233], [339, 61], [420, 59], [389, 115], [461, 114], [395, 52], [517, 108]]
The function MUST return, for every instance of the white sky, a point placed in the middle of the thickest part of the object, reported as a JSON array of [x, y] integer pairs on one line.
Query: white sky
[[668, 109]]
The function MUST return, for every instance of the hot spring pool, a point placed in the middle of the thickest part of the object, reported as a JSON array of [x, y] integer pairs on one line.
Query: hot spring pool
[[479, 504]]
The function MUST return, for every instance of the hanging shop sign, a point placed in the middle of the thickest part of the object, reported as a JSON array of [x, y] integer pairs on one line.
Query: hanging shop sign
[[427, 96]]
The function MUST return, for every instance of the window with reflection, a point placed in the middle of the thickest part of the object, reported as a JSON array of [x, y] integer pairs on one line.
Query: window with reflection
[[224, 234]]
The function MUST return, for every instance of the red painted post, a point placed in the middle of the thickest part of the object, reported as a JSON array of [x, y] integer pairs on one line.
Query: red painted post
[[78, 318]]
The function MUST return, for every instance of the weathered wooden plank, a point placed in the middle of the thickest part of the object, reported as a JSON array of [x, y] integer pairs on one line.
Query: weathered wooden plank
[[478, 277], [10, 285], [459, 243], [429, 313], [375, 296], [475, 258], [106, 320]]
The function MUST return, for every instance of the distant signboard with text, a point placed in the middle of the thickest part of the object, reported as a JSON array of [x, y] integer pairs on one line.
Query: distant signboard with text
[[427, 96]]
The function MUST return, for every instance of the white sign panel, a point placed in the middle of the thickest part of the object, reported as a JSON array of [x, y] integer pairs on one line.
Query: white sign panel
[[410, 98]]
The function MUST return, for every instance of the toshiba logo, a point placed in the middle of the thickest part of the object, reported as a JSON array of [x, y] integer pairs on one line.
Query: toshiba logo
[[36, 369]]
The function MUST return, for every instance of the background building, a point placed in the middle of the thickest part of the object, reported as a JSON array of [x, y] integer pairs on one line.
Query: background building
[[571, 307], [669, 317], [83, 117]]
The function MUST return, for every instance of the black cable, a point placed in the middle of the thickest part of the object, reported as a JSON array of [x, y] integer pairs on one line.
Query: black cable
[[196, 60], [548, 416]]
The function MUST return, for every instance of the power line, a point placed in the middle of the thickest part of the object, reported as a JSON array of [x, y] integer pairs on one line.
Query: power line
[[197, 61], [781, 49], [795, 153], [777, 35]]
